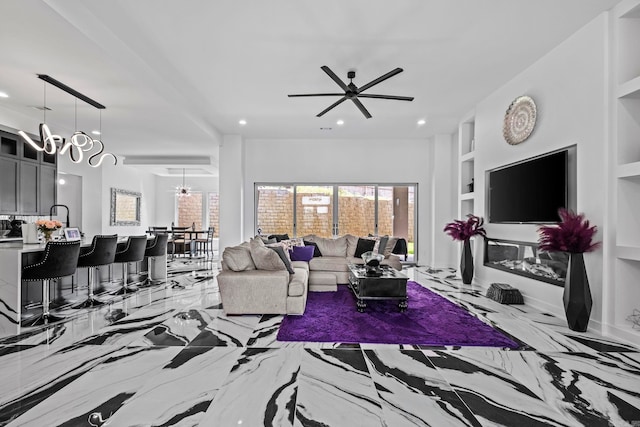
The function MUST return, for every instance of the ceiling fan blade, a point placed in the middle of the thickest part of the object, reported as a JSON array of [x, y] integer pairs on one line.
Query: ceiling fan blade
[[398, 98], [380, 79], [335, 104], [316, 94], [361, 107], [335, 78]]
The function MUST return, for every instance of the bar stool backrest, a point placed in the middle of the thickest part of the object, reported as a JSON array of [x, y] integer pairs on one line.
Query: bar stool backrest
[[133, 250], [158, 246], [60, 260], [101, 252]]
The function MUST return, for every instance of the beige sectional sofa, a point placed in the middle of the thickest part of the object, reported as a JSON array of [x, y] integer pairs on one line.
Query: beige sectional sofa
[[255, 280]]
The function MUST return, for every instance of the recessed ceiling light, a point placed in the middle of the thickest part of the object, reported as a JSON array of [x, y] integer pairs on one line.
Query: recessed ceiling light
[[242, 122], [95, 132], [340, 122], [3, 95], [325, 128], [62, 181], [421, 122]]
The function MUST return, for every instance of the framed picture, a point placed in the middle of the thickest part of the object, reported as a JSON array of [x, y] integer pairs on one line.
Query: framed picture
[[72, 234]]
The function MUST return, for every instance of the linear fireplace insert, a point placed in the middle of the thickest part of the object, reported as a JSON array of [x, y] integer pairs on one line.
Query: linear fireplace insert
[[526, 259]]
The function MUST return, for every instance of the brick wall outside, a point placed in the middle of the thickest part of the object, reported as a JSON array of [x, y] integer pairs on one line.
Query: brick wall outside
[[275, 213], [190, 211]]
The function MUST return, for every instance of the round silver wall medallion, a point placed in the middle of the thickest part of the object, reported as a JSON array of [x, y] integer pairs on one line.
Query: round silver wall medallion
[[519, 120]]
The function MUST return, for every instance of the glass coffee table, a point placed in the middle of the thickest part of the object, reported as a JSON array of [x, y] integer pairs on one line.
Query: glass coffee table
[[391, 284]]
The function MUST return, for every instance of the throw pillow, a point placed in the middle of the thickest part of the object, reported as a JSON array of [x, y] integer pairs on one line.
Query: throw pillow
[[382, 244], [290, 243], [332, 247], [316, 250], [391, 243], [284, 256], [302, 253], [266, 240], [364, 245], [279, 237], [238, 258], [265, 258]]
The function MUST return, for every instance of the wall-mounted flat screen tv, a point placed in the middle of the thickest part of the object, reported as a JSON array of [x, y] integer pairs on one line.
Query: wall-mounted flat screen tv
[[531, 191]]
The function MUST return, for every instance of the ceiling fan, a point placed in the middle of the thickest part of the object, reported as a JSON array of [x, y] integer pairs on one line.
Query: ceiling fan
[[353, 92]]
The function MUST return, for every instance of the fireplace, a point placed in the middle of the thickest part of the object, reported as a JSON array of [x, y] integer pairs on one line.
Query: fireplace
[[526, 259]]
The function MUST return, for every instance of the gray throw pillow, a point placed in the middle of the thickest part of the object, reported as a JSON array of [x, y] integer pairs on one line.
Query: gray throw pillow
[[238, 258], [285, 259], [265, 258]]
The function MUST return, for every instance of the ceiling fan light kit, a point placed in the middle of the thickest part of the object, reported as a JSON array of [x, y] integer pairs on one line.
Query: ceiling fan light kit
[[353, 92]]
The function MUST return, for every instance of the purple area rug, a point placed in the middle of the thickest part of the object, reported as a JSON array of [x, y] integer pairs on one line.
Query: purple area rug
[[430, 320]]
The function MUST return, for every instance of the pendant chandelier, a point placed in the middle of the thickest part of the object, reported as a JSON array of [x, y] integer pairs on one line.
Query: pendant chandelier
[[80, 145], [183, 190]]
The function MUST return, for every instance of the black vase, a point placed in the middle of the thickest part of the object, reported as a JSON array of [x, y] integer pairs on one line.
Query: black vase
[[466, 263], [577, 295]]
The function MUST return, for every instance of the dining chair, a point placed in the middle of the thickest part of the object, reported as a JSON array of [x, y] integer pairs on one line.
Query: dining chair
[[179, 238], [206, 243]]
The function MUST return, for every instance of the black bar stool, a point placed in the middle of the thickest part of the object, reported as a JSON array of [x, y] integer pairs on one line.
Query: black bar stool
[[155, 248], [101, 252], [132, 251], [60, 259]]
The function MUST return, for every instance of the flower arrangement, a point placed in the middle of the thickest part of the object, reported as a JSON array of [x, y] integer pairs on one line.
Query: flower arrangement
[[572, 234], [464, 230], [48, 226]]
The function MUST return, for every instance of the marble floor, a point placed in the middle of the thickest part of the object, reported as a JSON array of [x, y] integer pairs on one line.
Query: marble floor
[[172, 358]]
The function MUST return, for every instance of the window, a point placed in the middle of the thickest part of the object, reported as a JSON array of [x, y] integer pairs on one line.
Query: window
[[201, 210], [330, 210]]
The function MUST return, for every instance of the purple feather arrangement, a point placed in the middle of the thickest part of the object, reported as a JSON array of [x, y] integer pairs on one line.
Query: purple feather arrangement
[[573, 234], [464, 230]]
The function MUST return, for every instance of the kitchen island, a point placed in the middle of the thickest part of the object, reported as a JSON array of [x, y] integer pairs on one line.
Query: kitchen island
[[12, 256]]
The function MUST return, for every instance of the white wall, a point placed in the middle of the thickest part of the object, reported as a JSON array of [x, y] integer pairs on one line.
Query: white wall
[[343, 161], [570, 90]]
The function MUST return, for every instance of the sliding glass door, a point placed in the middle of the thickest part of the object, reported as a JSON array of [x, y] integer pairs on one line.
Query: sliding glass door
[[356, 210]]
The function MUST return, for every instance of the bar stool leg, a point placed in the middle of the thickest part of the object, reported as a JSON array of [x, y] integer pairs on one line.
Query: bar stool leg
[[46, 317], [91, 301]]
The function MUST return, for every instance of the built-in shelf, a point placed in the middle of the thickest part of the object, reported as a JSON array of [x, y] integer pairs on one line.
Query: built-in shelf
[[628, 252], [468, 157], [630, 89], [467, 196], [629, 170]]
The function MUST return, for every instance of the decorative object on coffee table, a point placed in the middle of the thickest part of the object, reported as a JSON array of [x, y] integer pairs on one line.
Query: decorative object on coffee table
[[519, 120], [372, 263], [504, 294], [464, 231], [573, 235]]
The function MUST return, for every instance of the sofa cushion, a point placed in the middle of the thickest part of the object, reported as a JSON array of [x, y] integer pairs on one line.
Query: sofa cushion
[[298, 283], [332, 247], [301, 253], [364, 245], [316, 250], [284, 256], [300, 265], [265, 258], [328, 263], [238, 258]]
